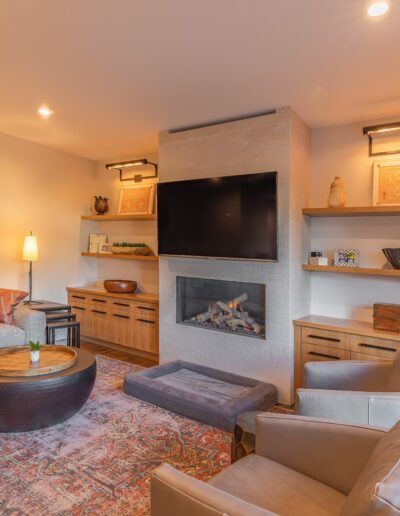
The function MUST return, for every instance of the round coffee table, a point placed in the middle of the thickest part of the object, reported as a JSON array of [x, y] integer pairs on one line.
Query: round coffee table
[[33, 402]]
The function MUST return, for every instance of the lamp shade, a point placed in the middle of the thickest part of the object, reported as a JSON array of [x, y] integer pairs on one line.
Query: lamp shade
[[30, 252]]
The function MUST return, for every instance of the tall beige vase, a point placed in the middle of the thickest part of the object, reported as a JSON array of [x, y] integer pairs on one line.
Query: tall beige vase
[[337, 194]]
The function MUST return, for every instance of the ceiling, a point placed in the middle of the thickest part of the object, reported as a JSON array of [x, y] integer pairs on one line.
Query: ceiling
[[117, 71]]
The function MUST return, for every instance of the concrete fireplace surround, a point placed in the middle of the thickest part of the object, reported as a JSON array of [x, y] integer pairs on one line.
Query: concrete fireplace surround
[[280, 141]]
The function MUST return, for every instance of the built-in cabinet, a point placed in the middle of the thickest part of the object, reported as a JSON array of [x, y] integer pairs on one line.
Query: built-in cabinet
[[129, 320]]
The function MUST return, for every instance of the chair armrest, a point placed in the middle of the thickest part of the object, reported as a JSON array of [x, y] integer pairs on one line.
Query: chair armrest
[[328, 451], [364, 408], [33, 322], [347, 375], [175, 494]]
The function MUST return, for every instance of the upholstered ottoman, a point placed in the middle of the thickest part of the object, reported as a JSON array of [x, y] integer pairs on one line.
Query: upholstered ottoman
[[209, 395]]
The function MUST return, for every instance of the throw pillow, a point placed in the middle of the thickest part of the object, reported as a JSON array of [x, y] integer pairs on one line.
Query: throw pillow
[[8, 300]]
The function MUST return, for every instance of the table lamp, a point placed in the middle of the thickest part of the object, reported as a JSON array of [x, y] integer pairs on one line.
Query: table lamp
[[30, 254]]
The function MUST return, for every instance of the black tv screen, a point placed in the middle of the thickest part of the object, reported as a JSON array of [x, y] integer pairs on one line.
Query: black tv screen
[[222, 217]]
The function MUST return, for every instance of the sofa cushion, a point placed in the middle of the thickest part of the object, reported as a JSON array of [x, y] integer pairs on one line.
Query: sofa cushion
[[11, 335], [393, 383], [377, 490], [279, 489], [8, 300]]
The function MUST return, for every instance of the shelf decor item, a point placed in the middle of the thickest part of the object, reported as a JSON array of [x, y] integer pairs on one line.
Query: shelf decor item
[[317, 258], [137, 249], [137, 200], [337, 193], [392, 256], [105, 248], [35, 352], [100, 204], [95, 241], [387, 317], [386, 183], [346, 258], [120, 286]]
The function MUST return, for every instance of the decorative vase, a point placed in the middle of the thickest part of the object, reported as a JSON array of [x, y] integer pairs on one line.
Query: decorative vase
[[35, 356], [101, 204], [337, 194]]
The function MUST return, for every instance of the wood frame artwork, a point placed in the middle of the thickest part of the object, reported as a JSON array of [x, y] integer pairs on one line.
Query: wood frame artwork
[[136, 200], [386, 185]]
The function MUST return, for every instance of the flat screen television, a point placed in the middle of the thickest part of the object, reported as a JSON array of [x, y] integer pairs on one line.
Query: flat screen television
[[223, 217]]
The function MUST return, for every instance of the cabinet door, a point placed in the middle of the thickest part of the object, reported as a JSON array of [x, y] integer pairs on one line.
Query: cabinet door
[[312, 353], [146, 335], [122, 328], [99, 324], [82, 316], [386, 349]]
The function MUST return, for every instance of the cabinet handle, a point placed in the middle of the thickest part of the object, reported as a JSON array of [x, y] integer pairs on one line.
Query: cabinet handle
[[121, 316], [144, 320], [147, 308], [330, 339], [98, 300], [315, 353], [372, 346], [78, 297], [99, 312], [78, 308], [120, 304]]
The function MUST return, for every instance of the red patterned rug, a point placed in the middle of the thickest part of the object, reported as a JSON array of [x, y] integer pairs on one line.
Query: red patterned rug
[[100, 460]]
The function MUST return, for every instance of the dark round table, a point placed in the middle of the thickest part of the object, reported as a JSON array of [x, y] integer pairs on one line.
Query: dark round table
[[33, 402]]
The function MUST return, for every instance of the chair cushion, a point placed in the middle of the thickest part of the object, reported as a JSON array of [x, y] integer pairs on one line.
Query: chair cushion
[[377, 490], [11, 335], [8, 300], [393, 383], [278, 489]]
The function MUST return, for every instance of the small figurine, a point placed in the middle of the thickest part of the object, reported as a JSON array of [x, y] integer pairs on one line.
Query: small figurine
[[337, 194], [101, 204]]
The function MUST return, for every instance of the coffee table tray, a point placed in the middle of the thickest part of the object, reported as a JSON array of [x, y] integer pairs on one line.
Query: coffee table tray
[[16, 361]]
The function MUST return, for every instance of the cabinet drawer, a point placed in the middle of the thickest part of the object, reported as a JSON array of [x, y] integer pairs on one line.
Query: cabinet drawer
[[121, 305], [365, 356], [96, 300], [313, 353], [147, 310], [371, 346], [333, 339], [77, 297]]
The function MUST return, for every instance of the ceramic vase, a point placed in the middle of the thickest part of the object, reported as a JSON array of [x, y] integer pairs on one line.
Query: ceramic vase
[[35, 356], [337, 194], [101, 204]]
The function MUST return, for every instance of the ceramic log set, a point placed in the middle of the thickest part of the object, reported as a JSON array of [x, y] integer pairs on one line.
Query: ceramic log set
[[120, 286]]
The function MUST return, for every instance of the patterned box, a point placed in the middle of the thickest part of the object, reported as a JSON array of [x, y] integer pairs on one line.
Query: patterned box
[[346, 258]]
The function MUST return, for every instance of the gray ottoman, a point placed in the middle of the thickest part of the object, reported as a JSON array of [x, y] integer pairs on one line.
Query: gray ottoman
[[199, 392]]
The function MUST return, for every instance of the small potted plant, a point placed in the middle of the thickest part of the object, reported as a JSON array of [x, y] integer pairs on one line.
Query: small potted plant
[[35, 352]]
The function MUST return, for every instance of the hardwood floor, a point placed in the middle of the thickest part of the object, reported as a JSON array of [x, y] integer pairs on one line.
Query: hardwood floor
[[96, 349]]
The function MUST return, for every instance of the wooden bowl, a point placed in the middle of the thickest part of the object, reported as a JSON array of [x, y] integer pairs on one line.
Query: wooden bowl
[[393, 257], [120, 286]]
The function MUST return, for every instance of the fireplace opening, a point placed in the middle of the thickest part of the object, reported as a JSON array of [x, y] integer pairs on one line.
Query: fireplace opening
[[231, 306]]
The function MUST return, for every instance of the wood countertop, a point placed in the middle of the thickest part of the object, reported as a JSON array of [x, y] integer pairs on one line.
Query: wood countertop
[[140, 296]]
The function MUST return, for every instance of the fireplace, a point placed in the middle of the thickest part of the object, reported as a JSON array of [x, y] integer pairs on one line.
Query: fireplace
[[231, 306]]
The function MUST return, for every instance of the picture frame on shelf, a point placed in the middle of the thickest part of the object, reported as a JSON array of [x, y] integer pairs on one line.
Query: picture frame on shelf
[[95, 241], [346, 258], [105, 248], [386, 183], [137, 200]]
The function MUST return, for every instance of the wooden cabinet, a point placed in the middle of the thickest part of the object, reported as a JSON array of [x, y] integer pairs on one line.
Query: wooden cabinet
[[129, 320], [320, 338]]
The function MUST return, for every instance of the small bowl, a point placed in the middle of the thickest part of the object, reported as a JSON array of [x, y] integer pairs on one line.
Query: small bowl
[[120, 286], [392, 256]]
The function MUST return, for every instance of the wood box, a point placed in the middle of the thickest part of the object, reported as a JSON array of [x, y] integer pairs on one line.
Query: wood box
[[387, 317]]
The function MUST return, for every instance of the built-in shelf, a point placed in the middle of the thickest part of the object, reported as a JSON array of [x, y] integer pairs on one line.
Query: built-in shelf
[[122, 256], [363, 211], [353, 270], [115, 217]]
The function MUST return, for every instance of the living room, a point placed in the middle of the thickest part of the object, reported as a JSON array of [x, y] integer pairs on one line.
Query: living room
[[199, 258]]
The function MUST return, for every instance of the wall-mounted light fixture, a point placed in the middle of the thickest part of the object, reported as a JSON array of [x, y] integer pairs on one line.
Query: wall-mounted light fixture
[[383, 139], [144, 174]]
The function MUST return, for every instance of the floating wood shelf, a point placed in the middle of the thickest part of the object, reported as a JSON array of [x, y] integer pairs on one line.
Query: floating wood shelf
[[115, 217], [363, 211], [122, 256], [353, 270]]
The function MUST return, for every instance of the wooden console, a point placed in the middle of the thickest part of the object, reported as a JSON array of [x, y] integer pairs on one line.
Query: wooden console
[[128, 320]]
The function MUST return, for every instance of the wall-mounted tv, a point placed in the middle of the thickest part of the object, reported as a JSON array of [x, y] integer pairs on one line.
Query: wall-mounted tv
[[231, 217]]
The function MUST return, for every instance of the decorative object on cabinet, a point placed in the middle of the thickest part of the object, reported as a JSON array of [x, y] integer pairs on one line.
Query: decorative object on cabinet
[[35, 351], [383, 139], [386, 183], [317, 258], [138, 249], [346, 258], [30, 254], [105, 248], [95, 241], [120, 286], [337, 193], [387, 317], [392, 256], [144, 174], [137, 200], [100, 204]]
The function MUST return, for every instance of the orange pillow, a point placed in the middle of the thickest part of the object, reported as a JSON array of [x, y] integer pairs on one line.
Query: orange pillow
[[8, 300]]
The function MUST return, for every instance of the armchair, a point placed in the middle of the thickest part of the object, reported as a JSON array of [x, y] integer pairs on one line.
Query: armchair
[[358, 392], [29, 325]]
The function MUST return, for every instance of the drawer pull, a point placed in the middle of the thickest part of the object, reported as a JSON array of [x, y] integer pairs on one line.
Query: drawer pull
[[147, 308], [315, 353], [144, 320], [120, 304], [121, 316], [98, 300], [99, 312], [78, 297], [372, 346], [78, 308], [330, 339]]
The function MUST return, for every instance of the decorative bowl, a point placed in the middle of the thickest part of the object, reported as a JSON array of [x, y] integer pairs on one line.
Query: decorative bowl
[[120, 286], [392, 256]]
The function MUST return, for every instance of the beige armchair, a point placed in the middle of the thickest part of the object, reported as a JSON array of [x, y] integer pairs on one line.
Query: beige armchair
[[302, 466], [358, 392]]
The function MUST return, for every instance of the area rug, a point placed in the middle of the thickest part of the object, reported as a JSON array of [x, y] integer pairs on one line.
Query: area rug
[[100, 460]]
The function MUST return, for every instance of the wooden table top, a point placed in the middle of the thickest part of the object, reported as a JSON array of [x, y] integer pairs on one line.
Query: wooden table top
[[16, 361]]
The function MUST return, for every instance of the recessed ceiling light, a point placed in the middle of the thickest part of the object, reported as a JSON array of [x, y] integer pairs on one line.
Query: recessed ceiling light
[[378, 9], [45, 111]]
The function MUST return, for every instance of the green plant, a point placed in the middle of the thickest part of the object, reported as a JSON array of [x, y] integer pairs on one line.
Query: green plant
[[35, 346], [129, 244]]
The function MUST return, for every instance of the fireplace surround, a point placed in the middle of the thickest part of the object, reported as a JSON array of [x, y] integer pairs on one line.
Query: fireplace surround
[[231, 306]]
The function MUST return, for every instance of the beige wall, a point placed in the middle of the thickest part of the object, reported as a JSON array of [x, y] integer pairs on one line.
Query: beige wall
[[46, 191]]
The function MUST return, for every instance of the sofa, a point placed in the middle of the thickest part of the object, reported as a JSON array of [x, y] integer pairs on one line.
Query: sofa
[[30, 325], [302, 466]]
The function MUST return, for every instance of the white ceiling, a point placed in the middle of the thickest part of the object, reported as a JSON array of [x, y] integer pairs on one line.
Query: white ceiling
[[118, 71]]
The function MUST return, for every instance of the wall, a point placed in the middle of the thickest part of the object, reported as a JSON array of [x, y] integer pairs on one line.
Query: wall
[[343, 150], [273, 142], [46, 191]]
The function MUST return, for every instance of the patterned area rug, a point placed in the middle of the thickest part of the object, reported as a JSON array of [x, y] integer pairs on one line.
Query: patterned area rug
[[100, 460]]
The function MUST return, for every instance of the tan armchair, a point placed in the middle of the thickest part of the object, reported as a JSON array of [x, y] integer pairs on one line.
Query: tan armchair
[[302, 466]]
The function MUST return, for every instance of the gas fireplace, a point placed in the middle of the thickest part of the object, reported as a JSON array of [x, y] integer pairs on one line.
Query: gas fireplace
[[231, 306]]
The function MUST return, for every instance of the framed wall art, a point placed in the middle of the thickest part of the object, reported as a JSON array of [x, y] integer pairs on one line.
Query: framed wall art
[[137, 200], [386, 185], [95, 241], [346, 258]]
